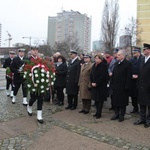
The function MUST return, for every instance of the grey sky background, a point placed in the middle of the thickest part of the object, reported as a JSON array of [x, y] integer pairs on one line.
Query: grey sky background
[[25, 18]]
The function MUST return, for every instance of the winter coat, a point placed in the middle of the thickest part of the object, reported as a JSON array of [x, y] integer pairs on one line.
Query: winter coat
[[121, 83], [61, 72], [73, 73], [16, 64], [99, 75], [135, 71], [144, 83], [84, 81]]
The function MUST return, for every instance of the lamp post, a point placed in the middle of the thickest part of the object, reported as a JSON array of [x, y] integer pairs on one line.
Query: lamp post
[[29, 39]]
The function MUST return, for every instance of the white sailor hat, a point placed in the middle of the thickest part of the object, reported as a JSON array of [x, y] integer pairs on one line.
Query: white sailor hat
[[12, 52], [21, 50]]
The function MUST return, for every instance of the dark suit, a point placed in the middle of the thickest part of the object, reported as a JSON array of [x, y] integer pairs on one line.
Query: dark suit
[[144, 90], [18, 80], [6, 64], [60, 82], [72, 87], [134, 91], [121, 84]]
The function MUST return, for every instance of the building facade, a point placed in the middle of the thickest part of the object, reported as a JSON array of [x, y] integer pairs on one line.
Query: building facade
[[143, 16], [72, 25], [0, 34], [97, 46]]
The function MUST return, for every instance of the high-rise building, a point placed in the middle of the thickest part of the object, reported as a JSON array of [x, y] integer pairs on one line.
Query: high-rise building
[[0, 33], [70, 24], [97, 45], [143, 16]]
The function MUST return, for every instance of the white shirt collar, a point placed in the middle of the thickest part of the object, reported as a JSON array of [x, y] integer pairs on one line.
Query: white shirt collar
[[74, 59]]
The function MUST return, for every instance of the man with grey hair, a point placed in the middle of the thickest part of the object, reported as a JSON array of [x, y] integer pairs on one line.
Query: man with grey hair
[[121, 80]]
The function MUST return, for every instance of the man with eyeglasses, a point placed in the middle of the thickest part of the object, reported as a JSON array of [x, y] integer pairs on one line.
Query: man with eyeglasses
[[144, 88]]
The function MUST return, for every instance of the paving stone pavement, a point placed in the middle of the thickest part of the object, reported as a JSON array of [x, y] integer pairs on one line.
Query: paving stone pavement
[[18, 131]]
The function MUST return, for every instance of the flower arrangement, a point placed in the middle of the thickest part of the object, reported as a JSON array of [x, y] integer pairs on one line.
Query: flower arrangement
[[9, 74], [39, 74]]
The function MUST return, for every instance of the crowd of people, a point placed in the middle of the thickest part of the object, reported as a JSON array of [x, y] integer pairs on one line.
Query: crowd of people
[[114, 76]]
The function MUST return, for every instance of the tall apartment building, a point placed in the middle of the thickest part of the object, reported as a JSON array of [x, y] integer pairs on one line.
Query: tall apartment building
[[0, 34], [70, 24], [143, 15]]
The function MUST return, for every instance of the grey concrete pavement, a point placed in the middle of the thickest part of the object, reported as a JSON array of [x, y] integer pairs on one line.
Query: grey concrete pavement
[[66, 129]]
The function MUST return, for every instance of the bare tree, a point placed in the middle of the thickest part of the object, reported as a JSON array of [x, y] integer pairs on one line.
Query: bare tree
[[109, 24], [46, 50], [70, 43], [133, 29]]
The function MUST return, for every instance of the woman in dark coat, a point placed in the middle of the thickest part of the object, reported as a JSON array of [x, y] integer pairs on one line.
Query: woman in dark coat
[[99, 80], [60, 82]]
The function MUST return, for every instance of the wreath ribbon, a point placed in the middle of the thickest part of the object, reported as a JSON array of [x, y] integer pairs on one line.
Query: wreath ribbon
[[34, 67]]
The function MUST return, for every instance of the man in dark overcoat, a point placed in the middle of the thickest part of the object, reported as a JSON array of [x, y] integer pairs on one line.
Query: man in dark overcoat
[[144, 88], [135, 73], [9, 76], [121, 80], [72, 87], [17, 68]]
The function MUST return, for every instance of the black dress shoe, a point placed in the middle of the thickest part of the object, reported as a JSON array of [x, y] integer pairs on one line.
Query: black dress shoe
[[114, 117], [134, 111], [98, 116], [112, 108], [121, 119], [40, 121], [30, 114], [73, 108], [60, 104], [146, 125], [25, 104], [68, 107], [139, 122], [86, 112], [94, 115], [81, 111]]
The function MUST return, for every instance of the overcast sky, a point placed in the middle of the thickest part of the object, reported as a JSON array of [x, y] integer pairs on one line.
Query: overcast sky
[[25, 18]]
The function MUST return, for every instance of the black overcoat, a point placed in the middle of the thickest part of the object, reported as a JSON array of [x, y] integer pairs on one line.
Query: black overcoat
[[61, 72], [7, 62], [15, 65], [144, 83], [99, 75], [121, 83], [135, 71], [73, 73]]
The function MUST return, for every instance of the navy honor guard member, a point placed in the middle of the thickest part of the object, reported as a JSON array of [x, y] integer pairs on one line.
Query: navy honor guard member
[[9, 74], [144, 88], [72, 87], [17, 68]]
